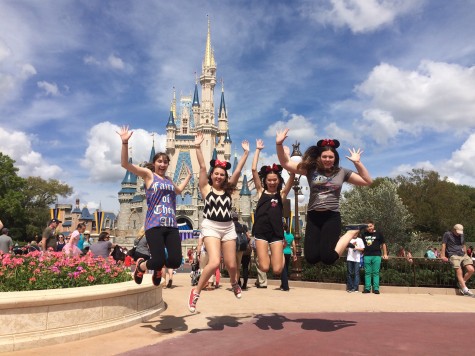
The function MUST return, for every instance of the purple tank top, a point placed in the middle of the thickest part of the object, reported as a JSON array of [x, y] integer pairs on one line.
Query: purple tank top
[[161, 203]]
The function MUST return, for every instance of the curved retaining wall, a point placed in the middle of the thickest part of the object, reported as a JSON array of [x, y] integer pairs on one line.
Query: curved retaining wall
[[41, 318]]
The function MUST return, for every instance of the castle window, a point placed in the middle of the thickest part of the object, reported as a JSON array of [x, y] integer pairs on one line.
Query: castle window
[[185, 130], [185, 122]]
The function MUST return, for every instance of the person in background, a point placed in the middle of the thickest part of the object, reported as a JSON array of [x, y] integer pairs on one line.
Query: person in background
[[87, 241], [353, 260], [289, 252], [141, 246], [245, 261], [71, 249], [430, 253], [455, 251], [61, 243], [374, 242], [103, 247], [6, 242], [48, 239]]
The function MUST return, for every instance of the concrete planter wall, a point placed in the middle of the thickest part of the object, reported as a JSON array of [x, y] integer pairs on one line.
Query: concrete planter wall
[[41, 318]]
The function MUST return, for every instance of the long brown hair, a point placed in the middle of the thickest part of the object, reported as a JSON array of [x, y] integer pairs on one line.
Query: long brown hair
[[311, 160], [226, 186]]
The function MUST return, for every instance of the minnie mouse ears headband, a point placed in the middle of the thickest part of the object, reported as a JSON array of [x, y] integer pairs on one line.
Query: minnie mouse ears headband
[[222, 164], [275, 168], [328, 143]]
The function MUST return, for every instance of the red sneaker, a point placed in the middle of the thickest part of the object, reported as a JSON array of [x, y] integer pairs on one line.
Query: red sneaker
[[237, 290], [157, 277], [138, 275], [193, 300]]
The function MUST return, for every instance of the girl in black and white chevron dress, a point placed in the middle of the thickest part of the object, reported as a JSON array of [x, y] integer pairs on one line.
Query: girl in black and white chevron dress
[[217, 226]]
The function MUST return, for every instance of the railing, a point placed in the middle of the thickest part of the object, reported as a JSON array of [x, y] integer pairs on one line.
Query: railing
[[395, 271]]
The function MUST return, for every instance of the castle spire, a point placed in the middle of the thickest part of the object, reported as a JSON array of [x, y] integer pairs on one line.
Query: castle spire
[[209, 55], [196, 99], [222, 105]]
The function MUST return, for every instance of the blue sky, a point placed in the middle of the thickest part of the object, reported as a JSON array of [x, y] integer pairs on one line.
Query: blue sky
[[394, 77]]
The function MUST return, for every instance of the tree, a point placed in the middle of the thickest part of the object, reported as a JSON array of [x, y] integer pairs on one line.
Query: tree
[[381, 204], [24, 203], [436, 203], [40, 194], [11, 195]]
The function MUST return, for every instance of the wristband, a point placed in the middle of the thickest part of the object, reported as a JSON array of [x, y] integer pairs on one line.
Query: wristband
[[125, 143]]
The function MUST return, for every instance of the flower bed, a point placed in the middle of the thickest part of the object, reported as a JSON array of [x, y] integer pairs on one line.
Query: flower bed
[[53, 270]]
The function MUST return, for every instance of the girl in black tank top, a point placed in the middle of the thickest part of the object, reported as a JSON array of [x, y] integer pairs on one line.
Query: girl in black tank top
[[268, 226]]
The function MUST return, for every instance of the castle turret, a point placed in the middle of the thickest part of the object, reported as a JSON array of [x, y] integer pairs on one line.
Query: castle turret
[[245, 202], [171, 133]]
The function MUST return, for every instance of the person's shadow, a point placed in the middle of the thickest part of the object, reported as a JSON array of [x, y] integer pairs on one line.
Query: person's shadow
[[217, 323], [169, 323], [276, 322]]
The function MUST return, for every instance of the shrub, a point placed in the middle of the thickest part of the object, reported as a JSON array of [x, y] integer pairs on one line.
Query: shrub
[[53, 270]]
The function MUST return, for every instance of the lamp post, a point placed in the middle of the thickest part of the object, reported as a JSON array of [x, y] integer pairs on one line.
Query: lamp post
[[296, 274]]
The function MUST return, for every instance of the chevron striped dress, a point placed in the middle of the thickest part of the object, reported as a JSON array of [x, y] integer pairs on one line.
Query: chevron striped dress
[[217, 220]]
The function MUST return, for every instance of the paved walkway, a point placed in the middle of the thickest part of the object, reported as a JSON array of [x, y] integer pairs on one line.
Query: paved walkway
[[304, 321]]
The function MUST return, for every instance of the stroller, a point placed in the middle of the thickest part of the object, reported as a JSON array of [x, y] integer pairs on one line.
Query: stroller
[[195, 272]]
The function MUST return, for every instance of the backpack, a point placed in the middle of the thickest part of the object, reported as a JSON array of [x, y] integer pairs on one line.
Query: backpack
[[241, 240], [117, 254]]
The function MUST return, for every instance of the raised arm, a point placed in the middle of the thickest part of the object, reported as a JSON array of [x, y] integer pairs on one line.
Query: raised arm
[[145, 173], [234, 178], [203, 175], [179, 188], [361, 178], [287, 186], [255, 160], [284, 159]]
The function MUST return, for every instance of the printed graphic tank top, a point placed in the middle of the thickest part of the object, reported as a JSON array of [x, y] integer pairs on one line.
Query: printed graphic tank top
[[161, 203], [217, 207]]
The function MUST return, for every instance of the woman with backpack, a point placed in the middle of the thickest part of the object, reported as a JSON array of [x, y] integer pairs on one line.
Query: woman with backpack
[[268, 227]]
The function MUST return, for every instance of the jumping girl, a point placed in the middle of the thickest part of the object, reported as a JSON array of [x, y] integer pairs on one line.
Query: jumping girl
[[217, 226], [161, 228], [321, 165], [268, 227]]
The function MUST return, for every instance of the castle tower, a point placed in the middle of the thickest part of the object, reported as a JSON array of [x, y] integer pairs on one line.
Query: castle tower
[[245, 202]]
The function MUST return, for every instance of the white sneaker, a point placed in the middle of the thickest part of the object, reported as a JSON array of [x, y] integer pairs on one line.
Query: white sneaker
[[468, 293]]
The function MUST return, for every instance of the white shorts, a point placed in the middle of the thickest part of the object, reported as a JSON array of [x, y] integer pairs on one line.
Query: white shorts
[[225, 231]]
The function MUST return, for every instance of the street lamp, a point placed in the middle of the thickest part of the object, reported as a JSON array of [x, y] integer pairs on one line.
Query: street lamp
[[296, 156]]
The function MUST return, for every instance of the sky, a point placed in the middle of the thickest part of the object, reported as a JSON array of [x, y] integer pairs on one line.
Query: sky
[[393, 77]]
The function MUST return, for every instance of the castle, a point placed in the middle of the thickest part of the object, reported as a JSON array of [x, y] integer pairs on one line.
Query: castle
[[192, 116]]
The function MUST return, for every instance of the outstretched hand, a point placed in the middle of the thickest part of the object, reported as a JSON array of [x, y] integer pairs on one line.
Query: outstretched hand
[[124, 133], [355, 155], [199, 138], [245, 145], [259, 144], [281, 136]]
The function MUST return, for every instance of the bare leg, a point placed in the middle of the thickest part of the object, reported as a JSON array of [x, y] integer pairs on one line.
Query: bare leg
[[263, 259], [342, 243], [213, 250], [277, 257], [229, 256]]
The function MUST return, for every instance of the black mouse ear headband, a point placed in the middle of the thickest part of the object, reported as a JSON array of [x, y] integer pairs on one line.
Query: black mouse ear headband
[[328, 143], [222, 164], [275, 168]]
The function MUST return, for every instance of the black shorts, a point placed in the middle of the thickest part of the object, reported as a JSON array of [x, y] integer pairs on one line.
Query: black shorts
[[269, 237]]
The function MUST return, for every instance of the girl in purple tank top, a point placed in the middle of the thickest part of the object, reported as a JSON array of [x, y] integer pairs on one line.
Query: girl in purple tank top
[[160, 223]]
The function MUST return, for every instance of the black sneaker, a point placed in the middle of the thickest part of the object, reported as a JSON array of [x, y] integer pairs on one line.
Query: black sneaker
[[376, 291], [157, 277], [355, 227], [138, 274], [366, 291]]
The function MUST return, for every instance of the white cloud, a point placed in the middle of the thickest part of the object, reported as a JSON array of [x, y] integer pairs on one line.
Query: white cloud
[[102, 156], [359, 15], [380, 125], [300, 128], [17, 145], [49, 88], [5, 51], [112, 62], [438, 96]]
